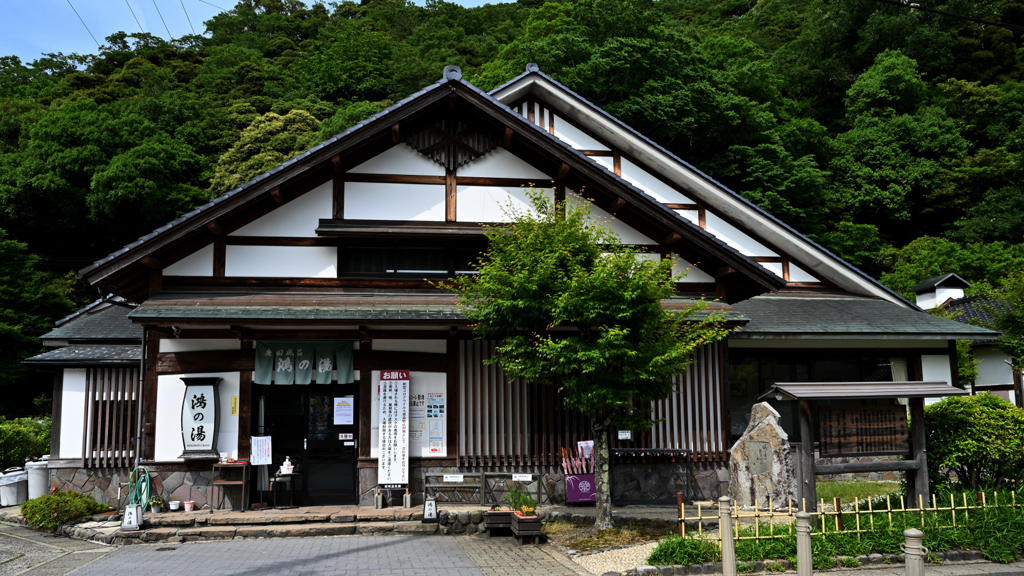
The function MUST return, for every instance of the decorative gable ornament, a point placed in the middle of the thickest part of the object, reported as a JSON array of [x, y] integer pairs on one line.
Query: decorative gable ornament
[[451, 142]]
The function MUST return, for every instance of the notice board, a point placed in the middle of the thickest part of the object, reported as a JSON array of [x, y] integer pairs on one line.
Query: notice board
[[863, 431]]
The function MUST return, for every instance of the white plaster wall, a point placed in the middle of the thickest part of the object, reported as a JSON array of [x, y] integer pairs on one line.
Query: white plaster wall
[[170, 391], [943, 294], [645, 181], [606, 161], [691, 215], [627, 234], [993, 368], [730, 235], [432, 346], [400, 159], [693, 274], [198, 263], [282, 261], [198, 344], [926, 300], [490, 203], [72, 413], [373, 201], [798, 274], [296, 219], [773, 267], [501, 163], [574, 137], [935, 368]]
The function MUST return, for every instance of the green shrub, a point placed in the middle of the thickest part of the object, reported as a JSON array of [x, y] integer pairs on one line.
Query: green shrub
[[23, 439], [50, 511], [675, 550], [975, 442], [520, 500]]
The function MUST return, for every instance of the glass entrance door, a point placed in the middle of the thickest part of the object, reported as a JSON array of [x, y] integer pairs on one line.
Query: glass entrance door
[[331, 453]]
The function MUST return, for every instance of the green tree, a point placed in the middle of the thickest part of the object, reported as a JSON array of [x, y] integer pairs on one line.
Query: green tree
[[927, 257], [1010, 319], [268, 141], [573, 313], [29, 304]]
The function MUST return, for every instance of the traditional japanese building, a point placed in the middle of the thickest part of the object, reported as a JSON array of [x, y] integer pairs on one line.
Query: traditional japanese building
[[329, 258]]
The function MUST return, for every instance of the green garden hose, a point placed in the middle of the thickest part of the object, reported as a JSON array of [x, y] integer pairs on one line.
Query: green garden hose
[[138, 487]]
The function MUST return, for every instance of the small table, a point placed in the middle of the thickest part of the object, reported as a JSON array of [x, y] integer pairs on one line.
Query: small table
[[224, 476], [285, 479]]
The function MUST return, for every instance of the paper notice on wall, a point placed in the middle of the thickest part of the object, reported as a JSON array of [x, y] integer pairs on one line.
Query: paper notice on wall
[[586, 447], [393, 439], [343, 411], [261, 451], [435, 422]]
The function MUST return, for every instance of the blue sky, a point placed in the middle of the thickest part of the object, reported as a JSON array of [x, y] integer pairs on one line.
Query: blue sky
[[28, 28]]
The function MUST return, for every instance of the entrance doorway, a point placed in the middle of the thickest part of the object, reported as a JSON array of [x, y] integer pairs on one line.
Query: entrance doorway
[[317, 426]]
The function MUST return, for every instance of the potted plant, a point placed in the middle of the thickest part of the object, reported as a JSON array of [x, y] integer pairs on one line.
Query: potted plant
[[155, 504], [497, 518], [524, 520], [189, 505]]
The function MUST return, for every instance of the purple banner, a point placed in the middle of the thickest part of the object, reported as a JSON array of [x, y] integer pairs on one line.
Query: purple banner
[[581, 488]]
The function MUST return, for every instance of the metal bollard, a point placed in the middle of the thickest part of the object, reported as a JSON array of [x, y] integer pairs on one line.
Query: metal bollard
[[725, 531], [804, 556], [914, 551]]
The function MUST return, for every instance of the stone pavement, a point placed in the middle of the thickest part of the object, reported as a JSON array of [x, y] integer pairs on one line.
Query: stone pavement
[[25, 551], [340, 555]]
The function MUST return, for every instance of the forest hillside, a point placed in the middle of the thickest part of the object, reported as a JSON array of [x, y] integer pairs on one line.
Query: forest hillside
[[889, 134]]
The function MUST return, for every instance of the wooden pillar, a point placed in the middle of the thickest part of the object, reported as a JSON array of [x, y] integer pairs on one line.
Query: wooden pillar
[[149, 384], [917, 480], [245, 409], [452, 402], [808, 486], [365, 399]]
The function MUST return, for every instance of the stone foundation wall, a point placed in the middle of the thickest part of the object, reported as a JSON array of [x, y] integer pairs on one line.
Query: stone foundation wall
[[661, 481], [552, 487], [103, 484]]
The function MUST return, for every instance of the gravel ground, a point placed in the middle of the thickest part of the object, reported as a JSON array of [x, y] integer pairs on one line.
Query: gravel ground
[[616, 560]]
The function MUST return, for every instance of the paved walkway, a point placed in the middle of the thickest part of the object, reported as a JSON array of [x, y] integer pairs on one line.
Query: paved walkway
[[29, 553], [25, 551], [947, 569]]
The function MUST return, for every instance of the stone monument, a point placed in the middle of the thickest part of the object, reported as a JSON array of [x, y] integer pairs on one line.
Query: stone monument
[[761, 463]]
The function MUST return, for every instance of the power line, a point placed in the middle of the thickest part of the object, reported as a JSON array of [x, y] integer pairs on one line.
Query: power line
[[83, 23], [136, 17], [161, 19], [214, 5], [186, 16], [925, 8]]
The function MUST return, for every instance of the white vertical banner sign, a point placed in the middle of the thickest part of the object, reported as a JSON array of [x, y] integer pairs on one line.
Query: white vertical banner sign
[[393, 440], [199, 418]]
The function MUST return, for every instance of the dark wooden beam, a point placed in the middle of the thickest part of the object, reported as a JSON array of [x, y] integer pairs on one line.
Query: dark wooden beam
[[337, 164], [383, 360], [245, 406], [859, 467], [452, 99], [806, 492], [277, 241], [220, 255], [275, 193], [671, 239], [205, 361], [215, 228], [394, 178], [507, 138], [450, 195], [917, 481], [452, 388], [724, 271], [151, 262], [338, 194], [682, 206], [489, 181], [396, 135], [149, 382], [617, 164], [562, 171], [617, 205]]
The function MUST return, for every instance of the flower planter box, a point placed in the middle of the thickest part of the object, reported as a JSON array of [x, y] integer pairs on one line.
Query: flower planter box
[[498, 519], [525, 525]]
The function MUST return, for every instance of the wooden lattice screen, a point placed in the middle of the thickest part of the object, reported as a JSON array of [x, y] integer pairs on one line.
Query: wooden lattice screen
[[506, 422], [112, 396]]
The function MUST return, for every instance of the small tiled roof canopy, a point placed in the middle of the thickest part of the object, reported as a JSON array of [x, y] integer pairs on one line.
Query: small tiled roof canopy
[[859, 390], [945, 281]]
